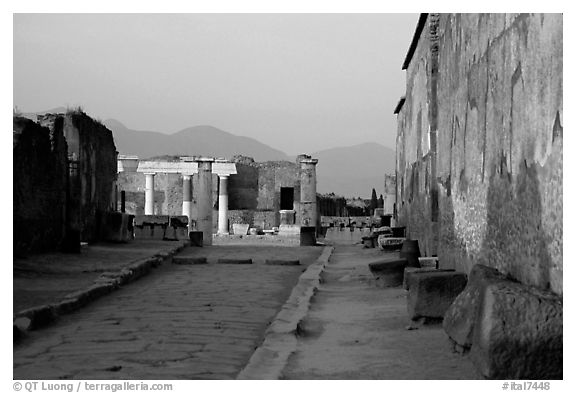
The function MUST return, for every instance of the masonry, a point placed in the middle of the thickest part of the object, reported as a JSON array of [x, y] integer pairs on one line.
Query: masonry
[[64, 176], [480, 141], [257, 193]]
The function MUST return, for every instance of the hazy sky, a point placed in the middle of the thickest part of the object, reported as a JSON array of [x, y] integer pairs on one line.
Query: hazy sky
[[297, 82]]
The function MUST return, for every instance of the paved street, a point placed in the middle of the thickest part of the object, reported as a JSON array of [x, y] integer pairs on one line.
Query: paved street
[[180, 322]]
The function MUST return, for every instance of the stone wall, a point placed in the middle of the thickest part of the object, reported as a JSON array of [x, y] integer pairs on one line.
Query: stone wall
[[39, 187], [479, 146], [64, 176], [91, 183]]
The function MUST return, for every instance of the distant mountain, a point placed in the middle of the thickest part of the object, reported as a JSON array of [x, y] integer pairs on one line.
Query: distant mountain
[[198, 140], [354, 170]]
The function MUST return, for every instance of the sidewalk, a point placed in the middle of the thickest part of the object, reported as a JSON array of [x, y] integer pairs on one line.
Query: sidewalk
[[355, 330], [56, 283]]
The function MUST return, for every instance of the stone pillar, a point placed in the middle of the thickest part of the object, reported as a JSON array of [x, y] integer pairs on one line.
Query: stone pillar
[[187, 199], [149, 196], [308, 205], [204, 199], [223, 206]]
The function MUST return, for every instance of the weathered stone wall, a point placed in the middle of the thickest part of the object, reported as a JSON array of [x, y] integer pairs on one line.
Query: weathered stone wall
[[52, 198], [91, 185], [496, 103], [413, 147], [39, 187]]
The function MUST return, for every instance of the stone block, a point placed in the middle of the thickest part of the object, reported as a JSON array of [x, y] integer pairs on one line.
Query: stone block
[[308, 236], [409, 271], [240, 229], [151, 220], [283, 262], [518, 333], [179, 221], [176, 233], [385, 242], [196, 238], [234, 261], [430, 294], [150, 232], [428, 262], [460, 317], [188, 260], [389, 273], [289, 230]]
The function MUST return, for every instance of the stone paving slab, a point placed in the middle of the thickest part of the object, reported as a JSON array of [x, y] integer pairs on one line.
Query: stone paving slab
[[182, 322]]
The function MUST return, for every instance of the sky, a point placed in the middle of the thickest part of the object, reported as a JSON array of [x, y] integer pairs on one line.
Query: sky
[[297, 82]]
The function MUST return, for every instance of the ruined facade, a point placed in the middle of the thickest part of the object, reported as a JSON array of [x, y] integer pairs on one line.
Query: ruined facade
[[64, 176], [479, 143], [256, 194]]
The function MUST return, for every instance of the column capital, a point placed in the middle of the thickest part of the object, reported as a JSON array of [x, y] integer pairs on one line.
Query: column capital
[[149, 173]]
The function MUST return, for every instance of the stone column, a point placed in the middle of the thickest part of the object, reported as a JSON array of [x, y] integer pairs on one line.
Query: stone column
[[308, 205], [204, 199], [187, 199], [149, 196], [223, 206]]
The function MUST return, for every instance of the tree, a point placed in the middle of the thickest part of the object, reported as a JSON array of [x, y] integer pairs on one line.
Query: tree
[[373, 201]]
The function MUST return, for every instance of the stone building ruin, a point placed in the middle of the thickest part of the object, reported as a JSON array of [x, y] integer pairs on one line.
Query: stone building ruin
[[268, 195], [64, 176]]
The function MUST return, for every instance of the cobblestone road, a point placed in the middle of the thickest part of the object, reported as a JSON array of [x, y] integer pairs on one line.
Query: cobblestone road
[[181, 322]]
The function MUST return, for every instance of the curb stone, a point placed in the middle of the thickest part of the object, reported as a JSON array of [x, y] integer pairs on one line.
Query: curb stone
[[280, 339], [40, 316]]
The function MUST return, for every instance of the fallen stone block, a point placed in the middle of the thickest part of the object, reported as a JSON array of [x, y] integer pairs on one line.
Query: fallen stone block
[[408, 271], [389, 273], [518, 333], [183, 260], [430, 294], [461, 316], [283, 262], [233, 261]]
